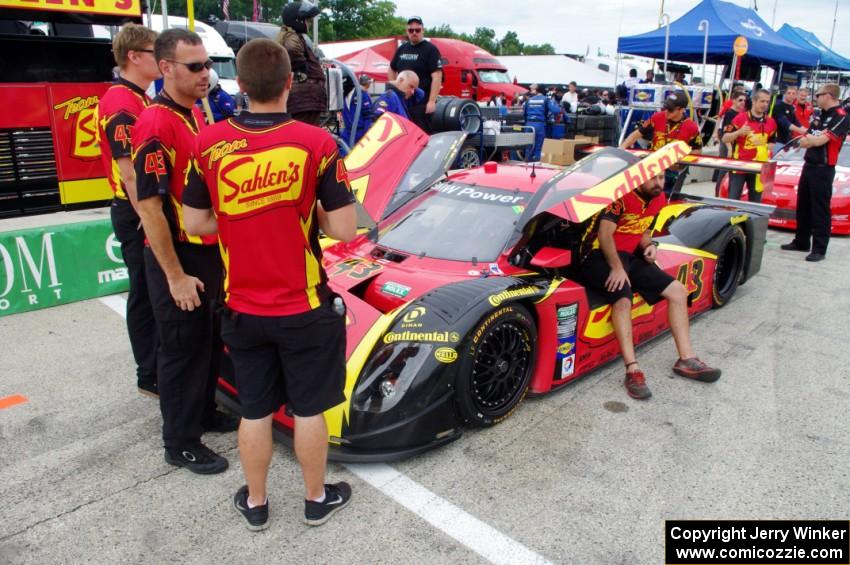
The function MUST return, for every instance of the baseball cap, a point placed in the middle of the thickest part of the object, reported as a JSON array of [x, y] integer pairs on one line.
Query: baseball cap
[[675, 100], [365, 79], [416, 19]]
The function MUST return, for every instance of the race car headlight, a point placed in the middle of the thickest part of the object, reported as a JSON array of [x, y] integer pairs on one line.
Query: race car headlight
[[389, 375]]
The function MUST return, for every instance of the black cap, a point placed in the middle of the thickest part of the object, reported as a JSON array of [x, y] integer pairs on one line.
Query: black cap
[[675, 100], [417, 19]]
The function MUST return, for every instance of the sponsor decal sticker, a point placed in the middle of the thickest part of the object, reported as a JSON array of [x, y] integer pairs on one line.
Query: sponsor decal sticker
[[497, 299], [567, 316], [445, 355], [565, 348], [414, 314], [568, 366], [425, 337], [395, 289]]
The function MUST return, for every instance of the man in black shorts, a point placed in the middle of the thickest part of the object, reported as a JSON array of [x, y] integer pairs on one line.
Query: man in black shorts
[[623, 261], [284, 328]]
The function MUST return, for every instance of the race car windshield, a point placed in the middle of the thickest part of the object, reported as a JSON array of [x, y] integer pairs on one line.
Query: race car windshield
[[457, 222], [795, 154]]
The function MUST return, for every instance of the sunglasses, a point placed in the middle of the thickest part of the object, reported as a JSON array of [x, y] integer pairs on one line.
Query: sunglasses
[[194, 67], [414, 30], [819, 94], [142, 50]]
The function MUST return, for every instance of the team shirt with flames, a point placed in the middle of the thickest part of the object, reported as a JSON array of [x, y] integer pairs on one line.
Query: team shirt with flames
[[755, 146], [662, 131], [633, 215], [835, 124], [262, 175], [163, 142], [117, 113]]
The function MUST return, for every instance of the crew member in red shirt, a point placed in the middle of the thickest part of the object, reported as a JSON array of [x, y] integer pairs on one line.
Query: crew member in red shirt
[[118, 111], [751, 133], [663, 127], [184, 273], [623, 261], [803, 108], [822, 142], [266, 184]]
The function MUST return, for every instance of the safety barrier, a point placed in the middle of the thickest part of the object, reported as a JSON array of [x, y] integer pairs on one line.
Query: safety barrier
[[58, 264]]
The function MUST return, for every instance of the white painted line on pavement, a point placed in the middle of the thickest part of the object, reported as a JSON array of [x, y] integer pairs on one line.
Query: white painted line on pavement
[[481, 538], [116, 303]]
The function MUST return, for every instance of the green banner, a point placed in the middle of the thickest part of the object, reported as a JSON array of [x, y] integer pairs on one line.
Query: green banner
[[56, 265]]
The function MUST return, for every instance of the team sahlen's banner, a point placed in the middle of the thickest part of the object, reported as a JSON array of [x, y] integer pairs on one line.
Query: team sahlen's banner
[[130, 8], [55, 265]]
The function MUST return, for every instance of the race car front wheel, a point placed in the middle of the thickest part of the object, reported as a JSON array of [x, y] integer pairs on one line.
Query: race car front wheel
[[496, 364], [730, 266]]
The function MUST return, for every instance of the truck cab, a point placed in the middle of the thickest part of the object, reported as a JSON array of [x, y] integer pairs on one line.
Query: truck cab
[[471, 72]]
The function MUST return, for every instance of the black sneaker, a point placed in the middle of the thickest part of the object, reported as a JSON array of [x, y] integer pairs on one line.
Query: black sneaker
[[220, 422], [336, 498], [793, 247], [197, 458], [256, 518], [147, 386]]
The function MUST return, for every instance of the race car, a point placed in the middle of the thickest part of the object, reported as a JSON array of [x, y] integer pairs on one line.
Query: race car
[[465, 293], [789, 167]]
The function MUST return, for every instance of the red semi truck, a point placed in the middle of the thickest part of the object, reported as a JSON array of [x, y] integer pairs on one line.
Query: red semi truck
[[53, 71], [471, 72]]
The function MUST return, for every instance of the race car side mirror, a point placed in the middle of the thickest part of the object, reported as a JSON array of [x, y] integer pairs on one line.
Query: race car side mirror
[[552, 258]]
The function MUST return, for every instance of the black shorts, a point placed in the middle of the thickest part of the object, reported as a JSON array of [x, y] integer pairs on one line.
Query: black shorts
[[297, 360], [647, 279]]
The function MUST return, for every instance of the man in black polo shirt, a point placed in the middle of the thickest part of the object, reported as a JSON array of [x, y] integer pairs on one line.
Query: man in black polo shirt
[[822, 143], [785, 115], [421, 57]]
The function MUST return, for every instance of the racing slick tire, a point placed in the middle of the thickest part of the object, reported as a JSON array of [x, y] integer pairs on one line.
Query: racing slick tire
[[729, 267], [496, 363]]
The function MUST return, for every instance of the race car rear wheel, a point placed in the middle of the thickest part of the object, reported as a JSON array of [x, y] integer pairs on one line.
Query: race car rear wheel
[[730, 266], [496, 365]]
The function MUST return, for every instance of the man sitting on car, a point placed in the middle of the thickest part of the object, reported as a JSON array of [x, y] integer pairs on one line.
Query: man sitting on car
[[623, 260], [401, 93]]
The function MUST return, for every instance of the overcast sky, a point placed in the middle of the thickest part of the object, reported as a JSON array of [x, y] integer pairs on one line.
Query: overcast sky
[[573, 25]]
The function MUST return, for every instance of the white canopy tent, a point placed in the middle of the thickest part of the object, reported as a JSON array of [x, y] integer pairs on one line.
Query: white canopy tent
[[556, 69]]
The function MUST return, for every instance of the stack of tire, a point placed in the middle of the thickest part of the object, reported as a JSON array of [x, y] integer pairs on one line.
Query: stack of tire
[[456, 114], [603, 127]]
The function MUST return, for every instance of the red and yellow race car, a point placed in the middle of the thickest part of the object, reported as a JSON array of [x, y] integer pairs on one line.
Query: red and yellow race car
[[783, 192], [466, 293]]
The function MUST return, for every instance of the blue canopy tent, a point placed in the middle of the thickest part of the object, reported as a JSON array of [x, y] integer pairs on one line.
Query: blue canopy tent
[[726, 22], [828, 58]]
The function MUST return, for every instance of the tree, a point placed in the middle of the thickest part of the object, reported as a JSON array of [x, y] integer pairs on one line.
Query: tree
[[545, 49], [485, 38], [510, 44], [356, 19]]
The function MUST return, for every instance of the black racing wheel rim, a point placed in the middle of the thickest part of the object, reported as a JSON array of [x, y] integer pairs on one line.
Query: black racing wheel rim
[[728, 268], [500, 367]]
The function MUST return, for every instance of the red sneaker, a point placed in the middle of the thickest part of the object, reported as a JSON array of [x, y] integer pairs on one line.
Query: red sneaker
[[636, 385], [695, 369]]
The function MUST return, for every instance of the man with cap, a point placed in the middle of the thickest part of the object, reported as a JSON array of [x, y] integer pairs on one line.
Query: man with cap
[[668, 125], [423, 58], [367, 116]]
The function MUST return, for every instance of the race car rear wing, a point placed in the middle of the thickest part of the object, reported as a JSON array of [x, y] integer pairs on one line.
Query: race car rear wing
[[750, 207]]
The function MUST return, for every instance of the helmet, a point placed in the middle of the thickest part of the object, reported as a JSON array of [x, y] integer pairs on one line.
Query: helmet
[[296, 14], [213, 80]]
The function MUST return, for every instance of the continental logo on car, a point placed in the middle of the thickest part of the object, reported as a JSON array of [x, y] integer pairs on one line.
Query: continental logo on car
[[497, 299], [251, 181], [425, 337], [445, 355]]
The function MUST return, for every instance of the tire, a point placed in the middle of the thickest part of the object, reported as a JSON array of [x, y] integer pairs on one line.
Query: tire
[[729, 267], [468, 158], [496, 363]]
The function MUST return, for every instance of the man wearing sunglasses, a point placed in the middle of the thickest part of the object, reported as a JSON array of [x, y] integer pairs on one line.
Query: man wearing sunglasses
[[822, 142], [423, 58], [118, 111], [184, 273]]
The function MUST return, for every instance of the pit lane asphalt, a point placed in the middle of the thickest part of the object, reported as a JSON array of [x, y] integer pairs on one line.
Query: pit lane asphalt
[[585, 475]]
